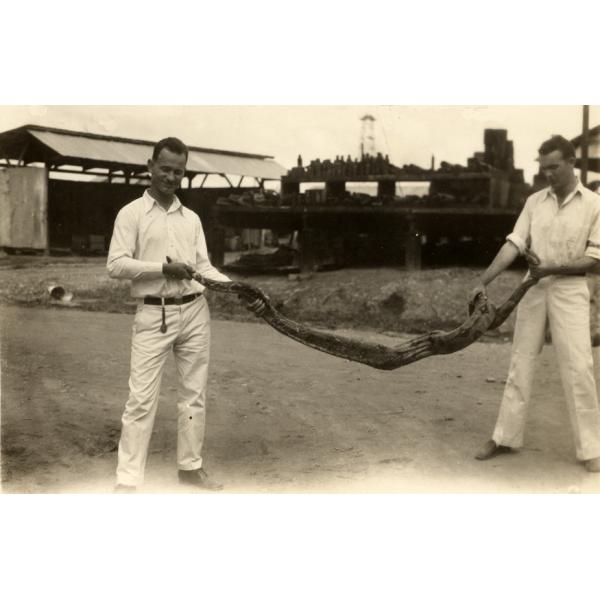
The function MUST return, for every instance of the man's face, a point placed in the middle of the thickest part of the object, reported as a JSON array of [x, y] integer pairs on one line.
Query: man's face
[[167, 171], [557, 170]]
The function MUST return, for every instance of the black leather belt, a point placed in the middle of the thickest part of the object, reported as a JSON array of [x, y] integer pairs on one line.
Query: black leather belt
[[168, 301]]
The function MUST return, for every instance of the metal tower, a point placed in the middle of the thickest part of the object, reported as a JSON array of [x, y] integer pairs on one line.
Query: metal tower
[[367, 136]]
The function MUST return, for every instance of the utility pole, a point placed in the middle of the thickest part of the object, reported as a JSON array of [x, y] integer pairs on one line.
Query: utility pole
[[585, 143]]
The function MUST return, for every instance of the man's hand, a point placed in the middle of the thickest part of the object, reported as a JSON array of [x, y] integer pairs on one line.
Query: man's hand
[[539, 271], [536, 269], [478, 289], [257, 307], [177, 270]]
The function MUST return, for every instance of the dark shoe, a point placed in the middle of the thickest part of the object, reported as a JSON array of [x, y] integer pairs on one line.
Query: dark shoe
[[121, 488], [593, 465], [199, 478], [491, 449]]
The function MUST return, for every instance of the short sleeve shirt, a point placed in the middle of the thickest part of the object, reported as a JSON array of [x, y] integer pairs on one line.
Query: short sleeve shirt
[[559, 234]]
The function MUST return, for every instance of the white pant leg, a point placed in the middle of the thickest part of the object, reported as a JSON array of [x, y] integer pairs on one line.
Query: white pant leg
[[149, 350], [191, 352], [569, 316], [596, 357], [528, 341]]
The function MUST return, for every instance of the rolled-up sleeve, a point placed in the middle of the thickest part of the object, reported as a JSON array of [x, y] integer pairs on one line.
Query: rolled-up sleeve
[[522, 230], [592, 249], [120, 262], [203, 264]]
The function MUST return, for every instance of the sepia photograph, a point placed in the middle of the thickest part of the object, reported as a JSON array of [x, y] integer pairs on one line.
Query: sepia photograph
[[300, 299]]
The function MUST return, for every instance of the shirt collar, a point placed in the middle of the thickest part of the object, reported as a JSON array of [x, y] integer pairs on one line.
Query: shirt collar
[[578, 189], [150, 202]]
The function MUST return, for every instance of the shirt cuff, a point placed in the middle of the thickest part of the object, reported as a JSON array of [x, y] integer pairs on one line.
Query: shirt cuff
[[592, 252], [517, 241], [153, 267]]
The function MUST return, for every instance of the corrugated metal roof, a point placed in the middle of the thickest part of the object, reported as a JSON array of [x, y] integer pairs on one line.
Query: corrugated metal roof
[[204, 162], [73, 146], [103, 149]]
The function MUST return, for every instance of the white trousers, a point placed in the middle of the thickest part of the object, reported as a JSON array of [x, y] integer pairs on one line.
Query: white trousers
[[188, 336], [564, 303]]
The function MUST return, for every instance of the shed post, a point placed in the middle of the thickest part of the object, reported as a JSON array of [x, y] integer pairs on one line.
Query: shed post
[[306, 239], [412, 246], [217, 253], [386, 188]]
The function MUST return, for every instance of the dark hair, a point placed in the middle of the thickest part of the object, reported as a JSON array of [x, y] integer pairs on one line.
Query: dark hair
[[558, 142], [171, 143]]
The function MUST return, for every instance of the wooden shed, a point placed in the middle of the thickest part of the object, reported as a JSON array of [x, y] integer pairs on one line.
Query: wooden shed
[[41, 210], [23, 208]]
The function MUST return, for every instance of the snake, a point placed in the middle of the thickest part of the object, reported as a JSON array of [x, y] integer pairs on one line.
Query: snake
[[482, 316]]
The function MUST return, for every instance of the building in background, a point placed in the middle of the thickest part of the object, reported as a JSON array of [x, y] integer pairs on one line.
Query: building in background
[[61, 190], [593, 155]]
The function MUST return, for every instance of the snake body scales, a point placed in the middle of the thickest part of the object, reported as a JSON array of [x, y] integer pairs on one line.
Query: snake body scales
[[484, 316]]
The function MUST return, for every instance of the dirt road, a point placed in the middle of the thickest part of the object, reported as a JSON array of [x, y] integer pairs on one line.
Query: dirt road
[[281, 417]]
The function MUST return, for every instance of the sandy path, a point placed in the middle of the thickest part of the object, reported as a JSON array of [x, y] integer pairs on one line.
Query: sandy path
[[281, 417]]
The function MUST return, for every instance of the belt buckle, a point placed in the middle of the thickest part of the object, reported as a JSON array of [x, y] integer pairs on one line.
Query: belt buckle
[[178, 300]]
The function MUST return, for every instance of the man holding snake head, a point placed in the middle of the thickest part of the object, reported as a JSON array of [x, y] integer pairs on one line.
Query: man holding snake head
[[159, 245]]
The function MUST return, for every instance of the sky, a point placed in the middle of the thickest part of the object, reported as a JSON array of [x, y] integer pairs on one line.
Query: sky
[[408, 134]]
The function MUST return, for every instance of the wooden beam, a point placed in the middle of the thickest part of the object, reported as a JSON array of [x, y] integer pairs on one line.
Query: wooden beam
[[54, 168], [204, 179], [23, 152], [585, 140], [240, 181], [226, 179], [423, 175], [59, 168]]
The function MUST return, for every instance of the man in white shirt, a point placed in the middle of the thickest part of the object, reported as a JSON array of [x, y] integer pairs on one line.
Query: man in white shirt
[[561, 225], [158, 244]]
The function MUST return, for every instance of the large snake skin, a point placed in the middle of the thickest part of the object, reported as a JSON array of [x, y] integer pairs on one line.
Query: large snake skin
[[483, 317]]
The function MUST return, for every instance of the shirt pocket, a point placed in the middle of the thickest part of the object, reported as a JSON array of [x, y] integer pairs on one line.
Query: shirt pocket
[[541, 226], [573, 230], [152, 231], [188, 239], [574, 234]]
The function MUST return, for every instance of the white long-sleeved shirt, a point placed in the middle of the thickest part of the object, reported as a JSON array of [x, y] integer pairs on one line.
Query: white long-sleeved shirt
[[145, 234], [559, 234]]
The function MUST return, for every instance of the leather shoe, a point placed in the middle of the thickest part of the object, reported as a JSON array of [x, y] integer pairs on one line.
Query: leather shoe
[[491, 449], [121, 488], [199, 478], [593, 465]]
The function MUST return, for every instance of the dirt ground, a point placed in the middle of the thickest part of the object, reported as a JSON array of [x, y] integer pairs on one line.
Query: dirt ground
[[281, 417]]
